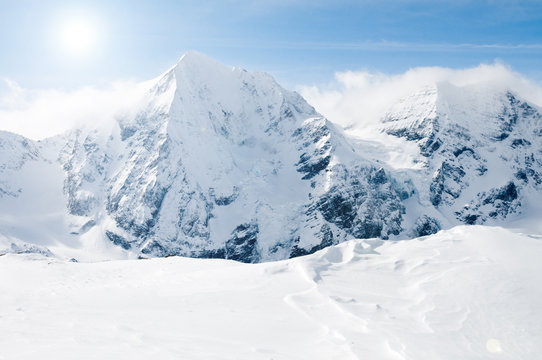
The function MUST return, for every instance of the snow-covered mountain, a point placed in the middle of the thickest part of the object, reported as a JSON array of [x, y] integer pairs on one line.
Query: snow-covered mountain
[[223, 163], [478, 151], [220, 162]]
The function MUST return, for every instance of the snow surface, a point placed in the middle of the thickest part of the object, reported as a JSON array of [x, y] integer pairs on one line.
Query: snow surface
[[465, 293]]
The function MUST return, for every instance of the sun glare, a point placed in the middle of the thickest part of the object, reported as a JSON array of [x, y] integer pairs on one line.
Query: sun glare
[[78, 36]]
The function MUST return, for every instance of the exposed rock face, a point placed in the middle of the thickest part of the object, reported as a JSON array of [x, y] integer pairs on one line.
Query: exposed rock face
[[424, 226], [365, 202], [242, 246], [447, 184], [479, 147], [496, 204]]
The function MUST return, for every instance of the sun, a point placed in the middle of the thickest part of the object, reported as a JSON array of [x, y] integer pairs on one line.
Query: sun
[[78, 36]]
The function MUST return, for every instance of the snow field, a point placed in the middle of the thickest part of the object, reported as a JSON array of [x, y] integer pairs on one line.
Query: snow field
[[465, 293]]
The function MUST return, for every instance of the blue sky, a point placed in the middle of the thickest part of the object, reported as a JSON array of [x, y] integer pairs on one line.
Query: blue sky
[[297, 41]]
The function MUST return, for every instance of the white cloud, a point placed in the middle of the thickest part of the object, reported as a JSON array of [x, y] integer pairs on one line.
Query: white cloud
[[353, 99], [38, 114], [359, 98]]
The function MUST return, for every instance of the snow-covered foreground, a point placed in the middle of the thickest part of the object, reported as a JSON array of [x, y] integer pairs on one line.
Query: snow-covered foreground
[[466, 293]]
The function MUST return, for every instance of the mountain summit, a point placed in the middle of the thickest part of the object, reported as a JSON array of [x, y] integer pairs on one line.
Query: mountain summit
[[223, 163], [479, 148]]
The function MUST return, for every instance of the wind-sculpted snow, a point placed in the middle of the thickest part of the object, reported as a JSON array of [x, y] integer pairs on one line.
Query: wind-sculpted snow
[[465, 293]]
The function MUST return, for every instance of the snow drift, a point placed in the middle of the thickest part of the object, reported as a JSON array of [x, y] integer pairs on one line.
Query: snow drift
[[470, 293]]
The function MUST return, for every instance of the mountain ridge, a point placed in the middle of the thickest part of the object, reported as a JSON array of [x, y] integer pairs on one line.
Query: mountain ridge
[[220, 162]]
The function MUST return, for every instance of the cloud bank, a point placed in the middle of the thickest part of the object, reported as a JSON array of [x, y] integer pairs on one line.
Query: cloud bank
[[357, 99], [353, 99], [39, 114]]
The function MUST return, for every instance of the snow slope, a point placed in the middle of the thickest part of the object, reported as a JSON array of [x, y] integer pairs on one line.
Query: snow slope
[[472, 154], [466, 293]]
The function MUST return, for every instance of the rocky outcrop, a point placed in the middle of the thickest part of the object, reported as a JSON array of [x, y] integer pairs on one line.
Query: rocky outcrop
[[477, 147], [497, 203]]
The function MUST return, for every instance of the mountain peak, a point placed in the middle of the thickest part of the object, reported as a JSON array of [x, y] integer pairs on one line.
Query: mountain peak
[[193, 56], [199, 64]]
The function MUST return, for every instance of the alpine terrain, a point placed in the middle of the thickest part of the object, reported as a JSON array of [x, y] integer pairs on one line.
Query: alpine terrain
[[218, 162], [421, 230]]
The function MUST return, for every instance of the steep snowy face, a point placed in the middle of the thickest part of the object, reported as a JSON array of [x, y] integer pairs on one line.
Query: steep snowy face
[[480, 150], [220, 162]]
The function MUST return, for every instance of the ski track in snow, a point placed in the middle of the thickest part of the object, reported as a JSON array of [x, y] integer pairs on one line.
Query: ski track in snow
[[454, 295]]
